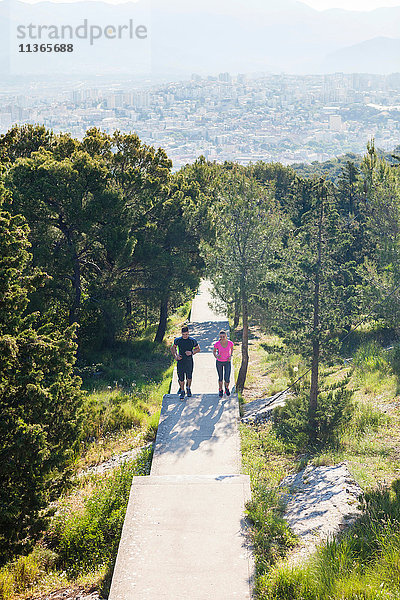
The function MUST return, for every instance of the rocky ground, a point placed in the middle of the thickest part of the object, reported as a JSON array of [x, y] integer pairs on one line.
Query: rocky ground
[[112, 463], [321, 502], [71, 593], [259, 411]]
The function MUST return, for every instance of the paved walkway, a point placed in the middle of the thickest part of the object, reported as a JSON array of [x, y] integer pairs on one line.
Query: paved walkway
[[184, 536]]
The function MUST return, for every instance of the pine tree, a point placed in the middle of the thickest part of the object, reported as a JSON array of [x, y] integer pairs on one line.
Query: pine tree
[[381, 184], [313, 296]]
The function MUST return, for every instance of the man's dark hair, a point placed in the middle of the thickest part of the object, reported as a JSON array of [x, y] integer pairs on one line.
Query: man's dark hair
[[185, 329]]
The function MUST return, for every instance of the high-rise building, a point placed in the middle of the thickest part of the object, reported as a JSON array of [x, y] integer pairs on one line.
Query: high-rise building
[[225, 77]]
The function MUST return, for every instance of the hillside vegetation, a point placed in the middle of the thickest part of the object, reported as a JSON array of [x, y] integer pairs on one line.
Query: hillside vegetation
[[102, 249]]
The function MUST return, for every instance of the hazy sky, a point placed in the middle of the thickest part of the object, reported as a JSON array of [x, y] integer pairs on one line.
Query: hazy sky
[[351, 4], [318, 4]]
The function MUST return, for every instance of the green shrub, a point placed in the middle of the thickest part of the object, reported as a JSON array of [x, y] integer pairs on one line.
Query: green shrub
[[292, 421], [297, 426], [90, 538], [333, 412]]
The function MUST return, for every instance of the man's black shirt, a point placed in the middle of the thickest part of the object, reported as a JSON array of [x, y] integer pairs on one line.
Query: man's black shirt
[[184, 345]]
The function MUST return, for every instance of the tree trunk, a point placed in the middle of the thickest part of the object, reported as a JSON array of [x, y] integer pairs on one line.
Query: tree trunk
[[314, 378], [241, 380], [162, 325], [237, 312], [316, 320]]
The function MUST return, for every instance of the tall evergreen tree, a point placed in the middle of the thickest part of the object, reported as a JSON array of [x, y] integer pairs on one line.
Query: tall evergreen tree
[[381, 183], [39, 395], [313, 295], [70, 207]]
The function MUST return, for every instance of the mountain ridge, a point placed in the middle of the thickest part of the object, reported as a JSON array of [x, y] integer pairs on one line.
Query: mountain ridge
[[288, 36]]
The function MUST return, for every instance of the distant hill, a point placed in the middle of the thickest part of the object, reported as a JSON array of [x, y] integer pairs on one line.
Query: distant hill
[[213, 36], [331, 169], [379, 55]]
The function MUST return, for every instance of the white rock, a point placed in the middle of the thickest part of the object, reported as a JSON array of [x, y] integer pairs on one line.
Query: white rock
[[321, 502]]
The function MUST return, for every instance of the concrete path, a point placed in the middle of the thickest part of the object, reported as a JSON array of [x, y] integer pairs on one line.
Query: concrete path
[[185, 536]]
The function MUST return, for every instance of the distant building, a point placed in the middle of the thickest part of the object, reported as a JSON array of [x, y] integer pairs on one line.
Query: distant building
[[335, 123], [225, 77]]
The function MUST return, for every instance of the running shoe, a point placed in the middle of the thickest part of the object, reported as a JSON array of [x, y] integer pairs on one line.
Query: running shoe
[[182, 394], [221, 393], [227, 392], [188, 392]]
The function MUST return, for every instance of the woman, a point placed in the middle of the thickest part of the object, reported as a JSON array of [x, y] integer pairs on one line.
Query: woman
[[223, 350]]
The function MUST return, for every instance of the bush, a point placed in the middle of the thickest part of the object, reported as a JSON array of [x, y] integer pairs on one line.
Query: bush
[[334, 410], [292, 421], [90, 538], [298, 427]]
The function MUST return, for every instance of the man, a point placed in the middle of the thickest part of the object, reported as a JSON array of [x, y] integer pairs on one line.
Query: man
[[183, 350]]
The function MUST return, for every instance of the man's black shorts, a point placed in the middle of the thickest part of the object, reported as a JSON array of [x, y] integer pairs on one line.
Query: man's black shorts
[[184, 367]]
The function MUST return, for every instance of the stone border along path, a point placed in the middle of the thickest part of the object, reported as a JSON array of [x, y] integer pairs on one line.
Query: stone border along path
[[185, 536]]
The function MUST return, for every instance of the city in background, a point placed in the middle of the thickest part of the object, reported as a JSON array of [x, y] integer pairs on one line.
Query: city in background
[[269, 117]]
